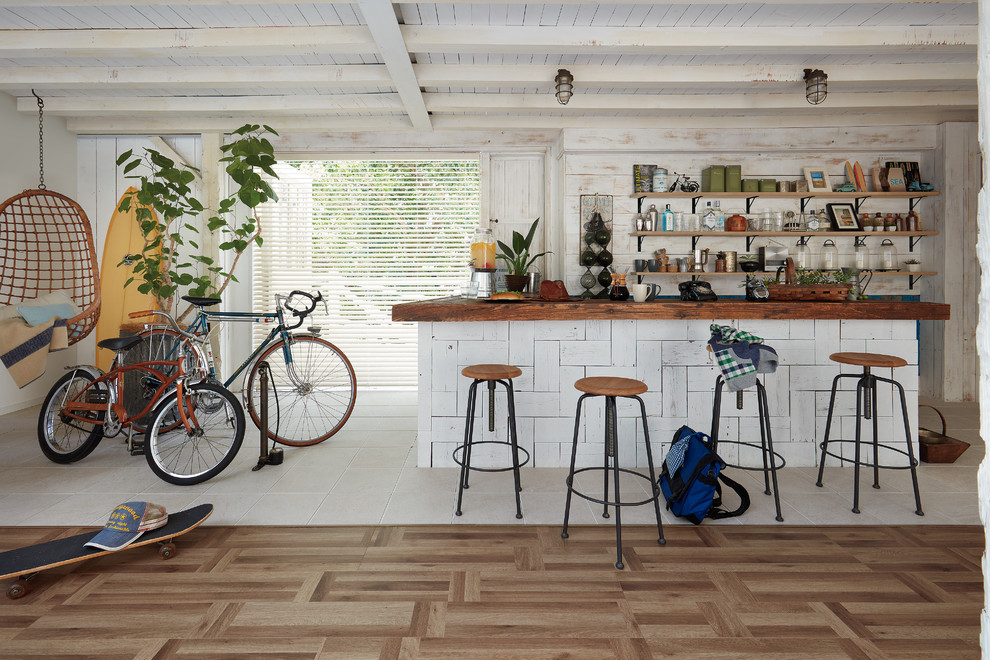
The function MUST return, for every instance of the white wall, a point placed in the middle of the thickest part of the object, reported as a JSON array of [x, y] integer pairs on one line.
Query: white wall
[[18, 172]]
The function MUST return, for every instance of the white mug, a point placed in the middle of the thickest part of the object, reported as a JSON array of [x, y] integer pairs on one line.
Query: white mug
[[644, 292]]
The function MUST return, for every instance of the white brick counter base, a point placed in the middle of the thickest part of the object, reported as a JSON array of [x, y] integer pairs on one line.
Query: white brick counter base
[[670, 356]]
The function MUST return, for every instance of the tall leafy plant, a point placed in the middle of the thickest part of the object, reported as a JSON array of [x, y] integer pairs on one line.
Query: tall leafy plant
[[172, 256]]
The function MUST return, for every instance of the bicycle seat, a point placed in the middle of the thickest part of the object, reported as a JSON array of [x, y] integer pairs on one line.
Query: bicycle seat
[[120, 343], [201, 302]]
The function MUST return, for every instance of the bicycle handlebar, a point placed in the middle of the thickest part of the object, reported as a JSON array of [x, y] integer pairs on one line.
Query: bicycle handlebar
[[300, 314]]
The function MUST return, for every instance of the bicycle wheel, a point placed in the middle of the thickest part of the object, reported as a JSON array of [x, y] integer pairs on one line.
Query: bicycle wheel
[[181, 457], [67, 440], [314, 406]]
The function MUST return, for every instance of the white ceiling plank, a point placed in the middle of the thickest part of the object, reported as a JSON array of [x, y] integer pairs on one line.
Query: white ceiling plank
[[701, 102], [272, 105], [185, 43], [692, 41], [197, 77], [385, 30], [436, 75], [163, 125]]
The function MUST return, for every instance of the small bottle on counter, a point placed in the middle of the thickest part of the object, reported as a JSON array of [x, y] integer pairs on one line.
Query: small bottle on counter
[[913, 223]]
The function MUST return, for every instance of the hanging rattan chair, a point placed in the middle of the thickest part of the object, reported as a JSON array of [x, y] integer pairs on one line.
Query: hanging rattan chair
[[46, 245]]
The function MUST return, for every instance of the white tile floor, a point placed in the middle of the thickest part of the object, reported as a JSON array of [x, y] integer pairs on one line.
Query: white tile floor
[[366, 474]]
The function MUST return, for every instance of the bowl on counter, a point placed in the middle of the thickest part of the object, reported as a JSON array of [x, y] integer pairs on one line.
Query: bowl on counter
[[749, 266]]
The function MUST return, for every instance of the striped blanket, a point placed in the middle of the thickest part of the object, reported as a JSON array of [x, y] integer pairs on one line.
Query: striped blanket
[[24, 348]]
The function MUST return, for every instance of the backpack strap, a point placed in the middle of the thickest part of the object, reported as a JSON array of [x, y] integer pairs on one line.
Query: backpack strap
[[717, 512]]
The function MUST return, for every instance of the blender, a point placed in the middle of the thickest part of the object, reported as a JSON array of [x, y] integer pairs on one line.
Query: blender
[[483, 261]]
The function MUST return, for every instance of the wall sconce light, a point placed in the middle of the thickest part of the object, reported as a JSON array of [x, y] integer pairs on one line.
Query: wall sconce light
[[815, 86], [565, 86]]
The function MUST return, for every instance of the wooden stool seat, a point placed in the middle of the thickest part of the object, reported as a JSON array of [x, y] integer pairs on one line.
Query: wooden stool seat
[[611, 386], [491, 371], [868, 359]]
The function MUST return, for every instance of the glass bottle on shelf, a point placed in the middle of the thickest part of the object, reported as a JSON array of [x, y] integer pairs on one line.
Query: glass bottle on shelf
[[667, 223], [709, 221], [830, 256], [638, 221], [913, 223], [813, 222], [899, 222], [719, 217]]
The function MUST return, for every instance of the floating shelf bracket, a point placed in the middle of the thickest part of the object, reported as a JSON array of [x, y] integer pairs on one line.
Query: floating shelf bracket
[[804, 202], [749, 203], [912, 279], [912, 241]]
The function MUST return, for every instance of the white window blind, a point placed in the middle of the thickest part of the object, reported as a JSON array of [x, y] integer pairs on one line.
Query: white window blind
[[369, 234]]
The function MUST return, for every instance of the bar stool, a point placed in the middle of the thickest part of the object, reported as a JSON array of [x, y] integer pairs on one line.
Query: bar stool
[[772, 461], [610, 388], [491, 374], [866, 408]]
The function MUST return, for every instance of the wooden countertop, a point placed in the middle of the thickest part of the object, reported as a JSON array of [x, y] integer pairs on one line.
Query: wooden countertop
[[531, 309]]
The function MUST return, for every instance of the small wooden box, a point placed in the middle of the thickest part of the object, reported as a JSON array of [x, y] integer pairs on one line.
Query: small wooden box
[[939, 448]]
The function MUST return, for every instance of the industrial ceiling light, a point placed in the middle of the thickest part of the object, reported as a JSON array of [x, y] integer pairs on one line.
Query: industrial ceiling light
[[565, 86], [815, 86]]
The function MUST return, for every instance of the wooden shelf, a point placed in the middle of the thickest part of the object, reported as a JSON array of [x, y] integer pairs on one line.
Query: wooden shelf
[[766, 273], [788, 195], [797, 234]]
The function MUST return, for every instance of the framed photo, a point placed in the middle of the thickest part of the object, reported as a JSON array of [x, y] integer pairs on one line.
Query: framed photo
[[843, 217], [817, 179]]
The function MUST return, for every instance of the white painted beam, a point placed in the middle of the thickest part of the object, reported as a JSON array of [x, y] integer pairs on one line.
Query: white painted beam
[[185, 124], [384, 27], [601, 40], [507, 75], [206, 42], [194, 77], [164, 105]]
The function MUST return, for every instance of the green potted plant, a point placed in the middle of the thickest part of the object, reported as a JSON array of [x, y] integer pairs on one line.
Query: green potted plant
[[913, 265], [518, 259], [171, 251]]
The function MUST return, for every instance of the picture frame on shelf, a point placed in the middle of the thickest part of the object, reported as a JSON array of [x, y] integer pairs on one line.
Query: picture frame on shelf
[[817, 179], [843, 217]]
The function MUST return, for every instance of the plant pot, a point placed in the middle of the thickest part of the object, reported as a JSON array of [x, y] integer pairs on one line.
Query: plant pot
[[516, 282], [914, 268]]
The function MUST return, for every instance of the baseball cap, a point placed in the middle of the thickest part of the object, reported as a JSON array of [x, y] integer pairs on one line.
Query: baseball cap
[[126, 523]]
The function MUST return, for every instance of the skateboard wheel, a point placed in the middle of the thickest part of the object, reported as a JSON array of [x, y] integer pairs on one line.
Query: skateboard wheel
[[166, 551], [16, 590]]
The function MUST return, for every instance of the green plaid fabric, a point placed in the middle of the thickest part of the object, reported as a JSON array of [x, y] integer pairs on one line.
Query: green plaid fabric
[[732, 368]]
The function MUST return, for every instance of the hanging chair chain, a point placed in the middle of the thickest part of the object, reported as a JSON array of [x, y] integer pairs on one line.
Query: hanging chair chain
[[41, 140]]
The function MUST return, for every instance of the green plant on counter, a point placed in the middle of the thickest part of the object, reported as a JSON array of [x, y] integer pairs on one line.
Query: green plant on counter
[[810, 276], [517, 257]]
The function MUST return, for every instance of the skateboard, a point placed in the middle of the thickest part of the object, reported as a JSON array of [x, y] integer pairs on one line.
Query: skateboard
[[24, 563]]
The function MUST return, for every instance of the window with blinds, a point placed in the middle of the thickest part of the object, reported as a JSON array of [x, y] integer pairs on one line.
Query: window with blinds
[[369, 234]]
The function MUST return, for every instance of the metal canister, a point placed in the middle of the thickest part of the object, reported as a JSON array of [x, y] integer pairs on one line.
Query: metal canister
[[730, 261]]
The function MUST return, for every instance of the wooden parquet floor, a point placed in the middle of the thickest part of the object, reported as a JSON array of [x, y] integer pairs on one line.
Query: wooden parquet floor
[[492, 592]]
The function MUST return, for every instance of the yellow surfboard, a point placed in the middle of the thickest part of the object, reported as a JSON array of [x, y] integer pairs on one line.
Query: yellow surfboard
[[123, 238]]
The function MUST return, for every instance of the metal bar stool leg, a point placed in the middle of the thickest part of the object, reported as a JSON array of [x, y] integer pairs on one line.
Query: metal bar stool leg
[[872, 408], [764, 418], [910, 445], [570, 475], [462, 483], [612, 453], [861, 395], [653, 476], [515, 444], [828, 428], [761, 395], [716, 412], [609, 452]]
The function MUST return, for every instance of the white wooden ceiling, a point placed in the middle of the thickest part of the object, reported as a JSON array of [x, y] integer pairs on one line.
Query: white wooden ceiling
[[371, 65]]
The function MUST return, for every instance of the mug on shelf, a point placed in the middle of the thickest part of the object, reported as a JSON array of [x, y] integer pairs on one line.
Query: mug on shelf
[[645, 292]]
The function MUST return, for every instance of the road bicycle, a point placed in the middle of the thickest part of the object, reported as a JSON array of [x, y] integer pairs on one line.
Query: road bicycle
[[193, 427], [312, 383]]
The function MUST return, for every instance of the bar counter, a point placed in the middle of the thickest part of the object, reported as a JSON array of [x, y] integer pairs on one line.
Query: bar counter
[[662, 343], [533, 309]]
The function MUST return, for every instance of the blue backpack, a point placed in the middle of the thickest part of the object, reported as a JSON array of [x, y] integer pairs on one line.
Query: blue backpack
[[690, 479]]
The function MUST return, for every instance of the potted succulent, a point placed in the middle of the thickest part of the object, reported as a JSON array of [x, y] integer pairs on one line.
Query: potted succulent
[[913, 265], [517, 258]]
